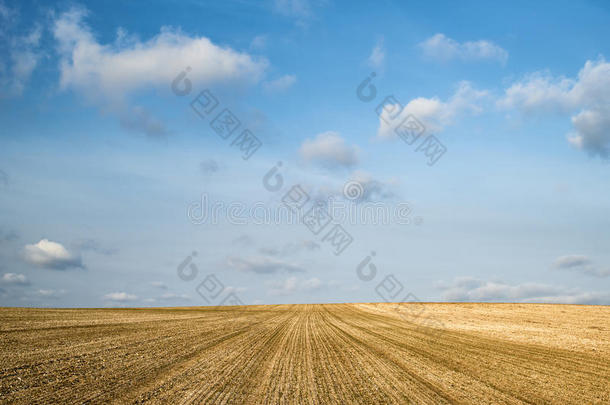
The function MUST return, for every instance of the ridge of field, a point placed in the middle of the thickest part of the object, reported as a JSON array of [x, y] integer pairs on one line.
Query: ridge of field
[[320, 353]]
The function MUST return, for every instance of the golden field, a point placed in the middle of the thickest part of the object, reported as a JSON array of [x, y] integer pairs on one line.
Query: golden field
[[310, 354]]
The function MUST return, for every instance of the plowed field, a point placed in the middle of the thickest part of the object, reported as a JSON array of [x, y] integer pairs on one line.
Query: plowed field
[[313, 354]]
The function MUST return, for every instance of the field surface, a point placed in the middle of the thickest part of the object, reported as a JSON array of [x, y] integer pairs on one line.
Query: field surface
[[311, 354]]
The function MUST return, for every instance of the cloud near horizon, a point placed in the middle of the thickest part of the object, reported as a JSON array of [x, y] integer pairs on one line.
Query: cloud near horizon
[[14, 279], [120, 297], [263, 265], [470, 289]]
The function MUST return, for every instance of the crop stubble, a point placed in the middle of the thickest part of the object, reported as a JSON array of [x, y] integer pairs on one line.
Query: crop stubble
[[331, 353]]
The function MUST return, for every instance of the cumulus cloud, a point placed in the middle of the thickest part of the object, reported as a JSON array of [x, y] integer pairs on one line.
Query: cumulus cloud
[[280, 84], [14, 279], [433, 113], [263, 265], [293, 284], [51, 255], [580, 264], [377, 57], [23, 53], [329, 150], [442, 48], [109, 74], [468, 289], [120, 297], [586, 97]]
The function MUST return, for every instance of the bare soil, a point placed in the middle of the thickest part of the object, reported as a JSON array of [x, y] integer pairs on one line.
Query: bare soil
[[309, 354]]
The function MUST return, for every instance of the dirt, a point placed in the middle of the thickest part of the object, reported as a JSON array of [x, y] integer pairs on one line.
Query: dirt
[[310, 354]]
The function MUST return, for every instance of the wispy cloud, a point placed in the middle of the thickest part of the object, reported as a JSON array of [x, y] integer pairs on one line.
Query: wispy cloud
[[580, 264], [209, 166], [159, 284], [442, 48], [280, 84], [263, 265], [293, 284], [120, 297], [23, 51], [92, 245], [376, 59], [53, 294], [14, 279], [290, 248], [471, 289]]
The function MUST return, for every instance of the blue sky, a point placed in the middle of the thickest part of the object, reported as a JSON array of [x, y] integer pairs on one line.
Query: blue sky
[[101, 161]]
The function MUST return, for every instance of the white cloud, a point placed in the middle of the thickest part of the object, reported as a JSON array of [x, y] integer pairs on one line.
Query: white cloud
[[433, 113], [330, 150], [263, 265], [293, 284], [109, 74], [231, 289], [280, 84], [14, 279], [475, 290], [50, 293], [587, 97], [120, 297], [377, 57], [172, 296], [51, 255], [442, 48]]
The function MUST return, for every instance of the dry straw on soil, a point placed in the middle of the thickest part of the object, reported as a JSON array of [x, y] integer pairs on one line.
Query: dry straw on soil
[[314, 354]]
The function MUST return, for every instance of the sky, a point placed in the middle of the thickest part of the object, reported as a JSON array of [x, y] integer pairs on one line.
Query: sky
[[303, 151]]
